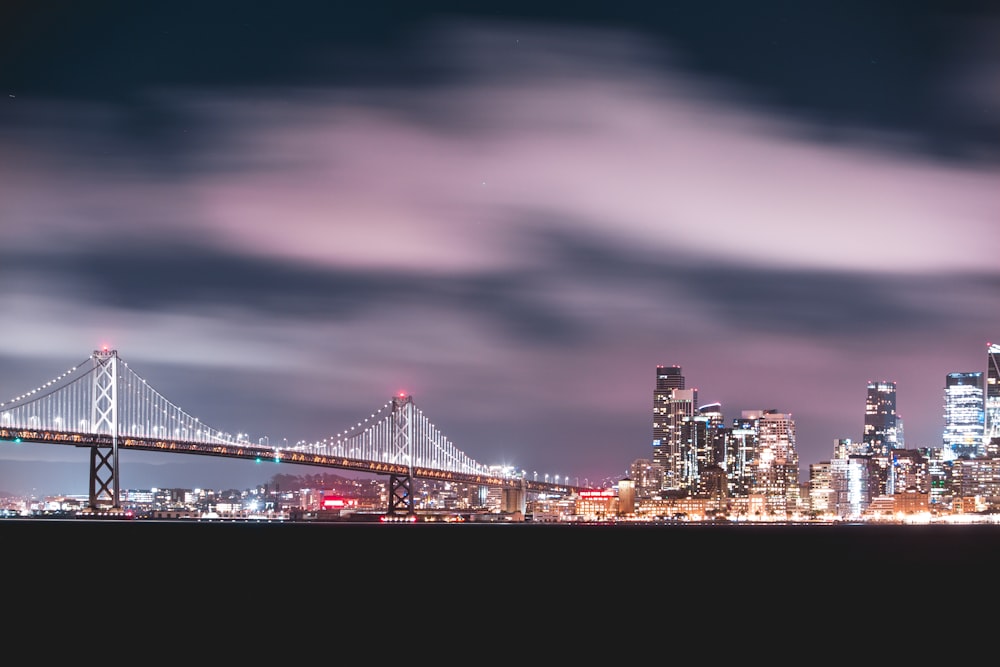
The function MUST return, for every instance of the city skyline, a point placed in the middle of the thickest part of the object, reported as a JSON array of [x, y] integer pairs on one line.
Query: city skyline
[[281, 218]]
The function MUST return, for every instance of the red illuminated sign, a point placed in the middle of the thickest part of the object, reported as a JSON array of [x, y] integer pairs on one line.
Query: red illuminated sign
[[333, 502], [604, 493]]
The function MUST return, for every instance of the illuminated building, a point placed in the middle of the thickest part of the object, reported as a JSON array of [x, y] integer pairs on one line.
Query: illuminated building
[[668, 378], [844, 447], [695, 508], [910, 472], [850, 484], [977, 478], [712, 484], [964, 415], [993, 397], [821, 492], [656, 508], [939, 475], [881, 430], [715, 431], [552, 510], [776, 465], [741, 449], [838, 502], [597, 505], [671, 403], [911, 502], [859, 486], [702, 443], [881, 508], [695, 451], [646, 476], [966, 505]]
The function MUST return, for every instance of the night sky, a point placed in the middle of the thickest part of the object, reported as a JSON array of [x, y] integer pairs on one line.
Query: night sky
[[281, 214]]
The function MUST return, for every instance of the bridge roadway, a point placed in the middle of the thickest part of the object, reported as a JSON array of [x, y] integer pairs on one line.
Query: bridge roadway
[[249, 452]]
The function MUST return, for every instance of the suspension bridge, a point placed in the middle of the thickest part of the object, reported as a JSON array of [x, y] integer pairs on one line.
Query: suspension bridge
[[102, 404]]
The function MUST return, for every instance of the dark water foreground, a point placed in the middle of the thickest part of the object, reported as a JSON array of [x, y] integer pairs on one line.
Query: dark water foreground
[[562, 552], [581, 593]]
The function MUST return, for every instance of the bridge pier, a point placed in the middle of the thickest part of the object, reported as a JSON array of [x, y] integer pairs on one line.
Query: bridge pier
[[401, 495], [513, 500]]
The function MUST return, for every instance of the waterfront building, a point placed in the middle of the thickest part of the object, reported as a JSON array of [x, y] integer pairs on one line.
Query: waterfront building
[[911, 503], [964, 415], [551, 510], [881, 508], [596, 505]]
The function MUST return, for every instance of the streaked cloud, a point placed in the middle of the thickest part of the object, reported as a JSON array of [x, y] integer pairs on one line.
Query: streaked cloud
[[521, 230]]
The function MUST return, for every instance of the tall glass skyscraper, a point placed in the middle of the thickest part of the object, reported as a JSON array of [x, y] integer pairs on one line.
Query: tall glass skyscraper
[[993, 394], [881, 432], [881, 435], [964, 415], [668, 378], [671, 404]]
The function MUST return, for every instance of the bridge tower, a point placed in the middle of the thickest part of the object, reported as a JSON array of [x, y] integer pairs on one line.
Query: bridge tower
[[401, 486], [104, 420]]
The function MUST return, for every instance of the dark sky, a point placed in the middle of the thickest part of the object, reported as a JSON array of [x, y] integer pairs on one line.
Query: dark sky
[[280, 214]]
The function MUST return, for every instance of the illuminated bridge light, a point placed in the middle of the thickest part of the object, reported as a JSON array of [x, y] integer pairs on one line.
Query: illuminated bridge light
[[152, 418]]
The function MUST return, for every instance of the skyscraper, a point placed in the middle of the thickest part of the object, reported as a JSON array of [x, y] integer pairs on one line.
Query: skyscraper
[[992, 396], [668, 378], [742, 437], [671, 404], [881, 428], [881, 433], [702, 444], [964, 415]]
